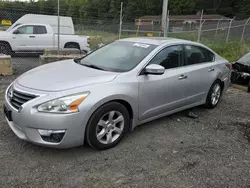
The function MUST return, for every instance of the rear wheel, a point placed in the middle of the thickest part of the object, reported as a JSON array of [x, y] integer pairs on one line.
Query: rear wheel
[[107, 126], [214, 95], [5, 49]]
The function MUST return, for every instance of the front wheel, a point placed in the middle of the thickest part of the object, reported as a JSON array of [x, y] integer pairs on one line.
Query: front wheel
[[5, 49], [214, 95], [107, 126]]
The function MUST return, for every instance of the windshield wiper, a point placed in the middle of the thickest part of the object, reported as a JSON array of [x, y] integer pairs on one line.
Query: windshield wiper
[[93, 66]]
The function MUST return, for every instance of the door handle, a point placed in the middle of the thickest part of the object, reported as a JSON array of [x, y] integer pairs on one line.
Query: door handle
[[32, 37], [182, 77], [210, 69]]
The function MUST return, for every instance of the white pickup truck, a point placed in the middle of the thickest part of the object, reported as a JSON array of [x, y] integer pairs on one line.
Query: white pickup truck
[[36, 38]]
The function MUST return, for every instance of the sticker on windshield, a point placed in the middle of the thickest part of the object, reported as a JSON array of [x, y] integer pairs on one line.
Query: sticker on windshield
[[141, 45]]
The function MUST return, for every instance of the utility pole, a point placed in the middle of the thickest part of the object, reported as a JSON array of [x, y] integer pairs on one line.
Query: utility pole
[[121, 17], [200, 28], [58, 30], [164, 17]]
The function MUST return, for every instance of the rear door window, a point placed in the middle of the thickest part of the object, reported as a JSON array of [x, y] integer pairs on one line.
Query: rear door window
[[40, 30], [197, 54]]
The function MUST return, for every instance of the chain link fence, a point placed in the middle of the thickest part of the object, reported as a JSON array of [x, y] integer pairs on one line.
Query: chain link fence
[[99, 30], [224, 30], [104, 30]]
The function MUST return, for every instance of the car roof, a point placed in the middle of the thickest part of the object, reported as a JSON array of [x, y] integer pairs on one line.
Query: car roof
[[154, 40]]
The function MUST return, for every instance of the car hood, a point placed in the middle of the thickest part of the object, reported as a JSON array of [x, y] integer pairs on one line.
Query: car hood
[[243, 63], [63, 75], [4, 33]]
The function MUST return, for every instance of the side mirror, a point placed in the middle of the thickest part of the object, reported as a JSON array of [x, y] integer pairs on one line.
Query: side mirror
[[154, 69], [16, 32]]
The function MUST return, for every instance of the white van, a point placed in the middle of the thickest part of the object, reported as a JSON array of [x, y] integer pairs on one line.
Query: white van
[[66, 23]]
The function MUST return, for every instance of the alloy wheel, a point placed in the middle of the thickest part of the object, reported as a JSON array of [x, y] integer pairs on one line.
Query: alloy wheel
[[216, 94], [110, 127]]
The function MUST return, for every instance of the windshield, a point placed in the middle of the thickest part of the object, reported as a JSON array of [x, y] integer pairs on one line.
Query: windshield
[[119, 56], [245, 59], [12, 27]]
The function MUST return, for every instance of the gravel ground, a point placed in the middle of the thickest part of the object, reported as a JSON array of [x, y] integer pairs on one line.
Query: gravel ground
[[175, 151]]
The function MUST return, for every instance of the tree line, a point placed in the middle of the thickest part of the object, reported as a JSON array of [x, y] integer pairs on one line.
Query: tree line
[[88, 11]]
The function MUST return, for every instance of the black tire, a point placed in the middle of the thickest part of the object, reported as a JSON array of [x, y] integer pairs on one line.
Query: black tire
[[72, 46], [209, 104], [5, 49], [91, 129]]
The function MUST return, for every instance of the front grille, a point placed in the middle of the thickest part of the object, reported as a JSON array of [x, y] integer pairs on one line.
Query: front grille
[[19, 98]]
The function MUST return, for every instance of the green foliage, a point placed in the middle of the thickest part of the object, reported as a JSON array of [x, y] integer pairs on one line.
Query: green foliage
[[182, 6], [96, 11], [186, 36], [232, 51], [88, 11]]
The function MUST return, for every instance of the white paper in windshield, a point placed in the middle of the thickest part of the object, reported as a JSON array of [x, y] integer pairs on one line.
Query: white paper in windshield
[[141, 45]]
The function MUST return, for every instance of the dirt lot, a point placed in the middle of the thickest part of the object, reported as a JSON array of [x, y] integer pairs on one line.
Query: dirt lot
[[175, 151]]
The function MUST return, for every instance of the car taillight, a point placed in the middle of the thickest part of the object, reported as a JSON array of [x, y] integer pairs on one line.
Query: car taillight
[[229, 65]]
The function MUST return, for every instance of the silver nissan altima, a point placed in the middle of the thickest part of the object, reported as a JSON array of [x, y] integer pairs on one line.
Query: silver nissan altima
[[99, 98]]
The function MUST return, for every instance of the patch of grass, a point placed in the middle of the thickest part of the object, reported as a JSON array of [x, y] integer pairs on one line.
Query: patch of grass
[[98, 37], [231, 51], [186, 36]]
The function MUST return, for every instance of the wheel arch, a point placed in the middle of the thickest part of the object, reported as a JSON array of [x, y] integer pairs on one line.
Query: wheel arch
[[126, 102], [72, 43], [126, 105], [105, 101], [5, 42], [221, 83]]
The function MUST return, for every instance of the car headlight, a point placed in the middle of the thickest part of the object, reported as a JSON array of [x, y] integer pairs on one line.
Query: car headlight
[[67, 104], [10, 93]]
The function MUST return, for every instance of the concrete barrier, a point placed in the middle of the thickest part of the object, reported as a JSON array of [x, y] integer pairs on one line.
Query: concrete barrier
[[44, 59], [64, 51], [5, 65], [53, 55]]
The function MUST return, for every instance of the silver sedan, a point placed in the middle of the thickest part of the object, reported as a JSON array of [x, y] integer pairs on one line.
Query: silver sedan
[[99, 98]]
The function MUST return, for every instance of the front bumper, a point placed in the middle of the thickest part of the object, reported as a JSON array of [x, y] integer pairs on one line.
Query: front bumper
[[27, 121]]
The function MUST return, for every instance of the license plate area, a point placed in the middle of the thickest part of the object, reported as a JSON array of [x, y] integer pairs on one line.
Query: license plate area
[[7, 113]]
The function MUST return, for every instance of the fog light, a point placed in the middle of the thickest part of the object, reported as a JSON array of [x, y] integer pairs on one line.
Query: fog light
[[49, 132], [54, 136]]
